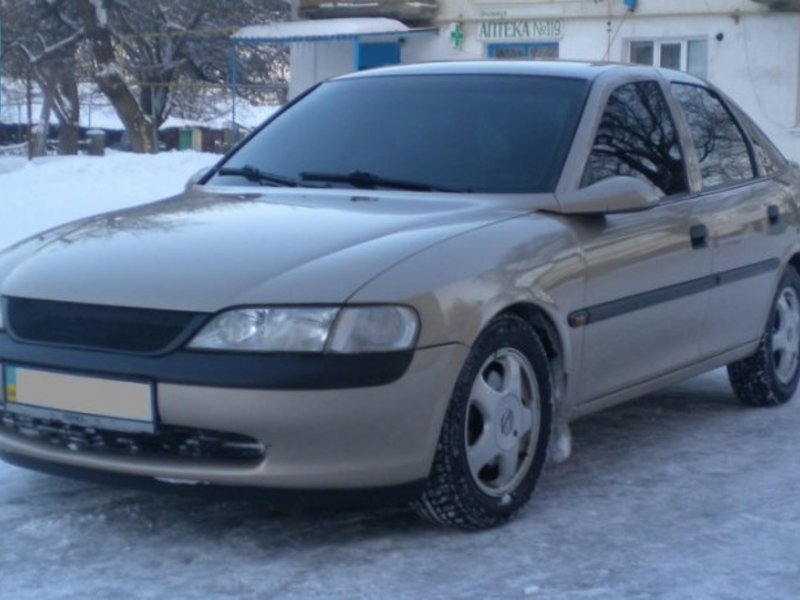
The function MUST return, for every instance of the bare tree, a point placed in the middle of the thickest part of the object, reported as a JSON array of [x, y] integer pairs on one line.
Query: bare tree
[[141, 48], [108, 76], [42, 39], [138, 50]]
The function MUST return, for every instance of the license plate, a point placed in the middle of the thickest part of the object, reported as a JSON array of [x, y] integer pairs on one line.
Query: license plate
[[80, 400]]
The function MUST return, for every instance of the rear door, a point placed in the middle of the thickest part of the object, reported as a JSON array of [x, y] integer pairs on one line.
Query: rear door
[[746, 210]]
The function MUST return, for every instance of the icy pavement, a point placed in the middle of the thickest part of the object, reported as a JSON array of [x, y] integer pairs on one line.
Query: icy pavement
[[683, 494]]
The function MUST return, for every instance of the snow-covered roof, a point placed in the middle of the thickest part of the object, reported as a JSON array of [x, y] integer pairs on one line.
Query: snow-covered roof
[[324, 29]]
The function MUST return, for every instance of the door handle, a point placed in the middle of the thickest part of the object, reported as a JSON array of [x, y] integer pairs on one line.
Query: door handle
[[774, 214], [699, 236]]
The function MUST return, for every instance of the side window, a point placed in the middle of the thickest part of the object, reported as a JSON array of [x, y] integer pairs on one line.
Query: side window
[[721, 147], [770, 165], [637, 138], [766, 154]]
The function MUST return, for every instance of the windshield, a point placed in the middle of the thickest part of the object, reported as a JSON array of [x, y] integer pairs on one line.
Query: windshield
[[467, 133]]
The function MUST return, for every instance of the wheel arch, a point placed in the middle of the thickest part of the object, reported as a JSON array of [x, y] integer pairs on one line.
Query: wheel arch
[[794, 261], [556, 350], [544, 326]]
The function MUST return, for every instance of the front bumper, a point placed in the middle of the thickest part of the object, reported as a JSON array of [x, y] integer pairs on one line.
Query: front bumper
[[316, 437]]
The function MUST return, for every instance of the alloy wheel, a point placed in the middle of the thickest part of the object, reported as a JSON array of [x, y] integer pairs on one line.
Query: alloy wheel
[[786, 335], [502, 424]]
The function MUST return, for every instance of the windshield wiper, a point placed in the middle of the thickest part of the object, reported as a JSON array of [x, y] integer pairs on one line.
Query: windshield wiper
[[252, 173], [365, 180]]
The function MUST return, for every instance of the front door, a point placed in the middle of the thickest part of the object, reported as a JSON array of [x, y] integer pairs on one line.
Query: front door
[[648, 272]]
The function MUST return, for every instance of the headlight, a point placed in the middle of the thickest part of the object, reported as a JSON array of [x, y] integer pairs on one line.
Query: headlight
[[347, 330], [374, 329], [268, 330]]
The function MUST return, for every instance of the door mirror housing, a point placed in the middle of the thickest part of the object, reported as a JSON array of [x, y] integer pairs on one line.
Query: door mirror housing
[[619, 194]]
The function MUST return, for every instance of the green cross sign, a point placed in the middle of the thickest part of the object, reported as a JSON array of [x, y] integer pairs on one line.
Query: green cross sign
[[457, 35]]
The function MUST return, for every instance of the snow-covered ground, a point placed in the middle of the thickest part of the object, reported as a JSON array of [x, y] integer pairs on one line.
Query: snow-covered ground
[[683, 494], [97, 112], [54, 190]]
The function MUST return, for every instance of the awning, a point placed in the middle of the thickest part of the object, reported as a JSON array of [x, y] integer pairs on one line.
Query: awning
[[321, 30]]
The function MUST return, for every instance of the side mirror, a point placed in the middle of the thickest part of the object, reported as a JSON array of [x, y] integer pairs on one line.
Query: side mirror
[[195, 178], [613, 195]]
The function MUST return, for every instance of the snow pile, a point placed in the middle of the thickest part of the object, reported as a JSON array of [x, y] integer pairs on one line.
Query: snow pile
[[53, 190]]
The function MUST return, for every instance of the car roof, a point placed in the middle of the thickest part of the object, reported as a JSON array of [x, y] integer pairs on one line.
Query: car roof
[[549, 68]]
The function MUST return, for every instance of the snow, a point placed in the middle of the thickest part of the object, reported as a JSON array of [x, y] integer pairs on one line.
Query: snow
[[104, 116], [53, 190], [100, 12], [320, 29], [108, 70], [683, 494], [96, 111]]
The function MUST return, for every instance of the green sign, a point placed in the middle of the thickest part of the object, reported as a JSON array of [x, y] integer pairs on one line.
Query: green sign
[[457, 35]]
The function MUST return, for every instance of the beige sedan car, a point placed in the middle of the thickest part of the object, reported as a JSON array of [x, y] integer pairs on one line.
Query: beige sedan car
[[406, 284]]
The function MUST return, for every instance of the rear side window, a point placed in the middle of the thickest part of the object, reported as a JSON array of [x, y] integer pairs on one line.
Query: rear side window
[[770, 159], [721, 147], [637, 138]]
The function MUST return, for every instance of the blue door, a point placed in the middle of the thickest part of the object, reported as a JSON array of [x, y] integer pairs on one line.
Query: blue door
[[376, 55]]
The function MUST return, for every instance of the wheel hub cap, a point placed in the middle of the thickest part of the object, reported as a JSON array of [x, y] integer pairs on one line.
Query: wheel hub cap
[[785, 340], [502, 426], [505, 422]]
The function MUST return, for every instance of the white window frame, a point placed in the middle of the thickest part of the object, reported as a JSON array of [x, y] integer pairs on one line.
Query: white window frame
[[658, 42]]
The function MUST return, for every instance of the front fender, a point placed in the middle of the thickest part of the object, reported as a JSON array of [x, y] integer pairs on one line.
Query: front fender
[[459, 285]]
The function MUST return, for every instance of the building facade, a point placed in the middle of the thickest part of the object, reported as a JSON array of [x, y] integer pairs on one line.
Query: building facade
[[749, 48]]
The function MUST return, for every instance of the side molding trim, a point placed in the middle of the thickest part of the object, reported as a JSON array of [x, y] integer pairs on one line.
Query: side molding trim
[[615, 308]]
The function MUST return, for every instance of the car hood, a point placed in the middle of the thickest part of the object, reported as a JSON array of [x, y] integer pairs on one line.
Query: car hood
[[207, 250]]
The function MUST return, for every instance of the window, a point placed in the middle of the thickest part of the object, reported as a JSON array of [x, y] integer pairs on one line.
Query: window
[[721, 147], [480, 133], [523, 51], [766, 154], [682, 55], [637, 138]]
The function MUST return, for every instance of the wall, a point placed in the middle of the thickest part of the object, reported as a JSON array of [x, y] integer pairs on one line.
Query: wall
[[454, 9], [757, 62], [313, 62]]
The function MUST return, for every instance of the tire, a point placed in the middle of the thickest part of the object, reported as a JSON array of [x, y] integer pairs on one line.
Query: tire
[[769, 376], [494, 439]]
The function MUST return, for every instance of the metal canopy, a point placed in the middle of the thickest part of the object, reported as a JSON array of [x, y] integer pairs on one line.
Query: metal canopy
[[313, 31], [324, 30]]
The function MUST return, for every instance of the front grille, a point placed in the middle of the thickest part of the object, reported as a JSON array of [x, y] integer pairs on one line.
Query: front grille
[[136, 330], [169, 442]]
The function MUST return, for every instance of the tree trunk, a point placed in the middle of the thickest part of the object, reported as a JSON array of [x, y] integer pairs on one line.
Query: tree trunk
[[41, 129], [69, 122], [68, 138], [110, 80], [57, 79]]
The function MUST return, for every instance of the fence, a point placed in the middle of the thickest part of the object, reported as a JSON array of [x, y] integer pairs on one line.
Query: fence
[[202, 106]]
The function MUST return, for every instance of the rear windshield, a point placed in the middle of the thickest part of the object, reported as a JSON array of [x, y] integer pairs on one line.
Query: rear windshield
[[471, 133]]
